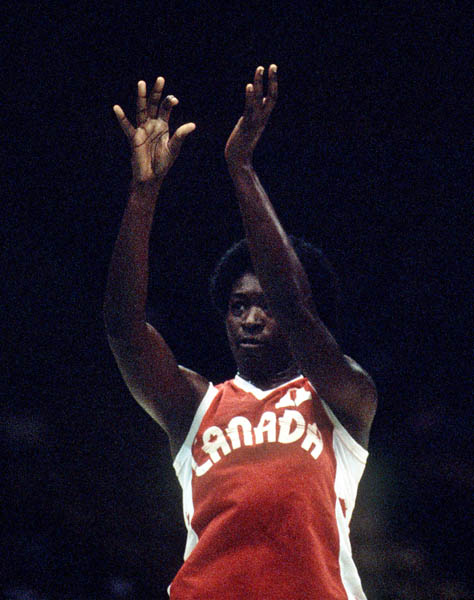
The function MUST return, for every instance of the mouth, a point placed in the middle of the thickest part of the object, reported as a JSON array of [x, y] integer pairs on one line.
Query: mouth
[[250, 343]]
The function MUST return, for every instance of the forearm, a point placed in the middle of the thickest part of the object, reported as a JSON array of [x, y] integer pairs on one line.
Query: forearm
[[127, 283], [275, 262]]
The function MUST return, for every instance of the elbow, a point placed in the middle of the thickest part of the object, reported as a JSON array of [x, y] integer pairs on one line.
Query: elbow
[[116, 324], [122, 320], [113, 327], [289, 303], [293, 300], [109, 317]]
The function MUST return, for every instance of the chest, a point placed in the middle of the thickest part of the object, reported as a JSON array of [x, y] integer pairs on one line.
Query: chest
[[240, 425]]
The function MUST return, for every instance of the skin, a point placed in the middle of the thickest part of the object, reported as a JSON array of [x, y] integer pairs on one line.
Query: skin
[[256, 340], [278, 309]]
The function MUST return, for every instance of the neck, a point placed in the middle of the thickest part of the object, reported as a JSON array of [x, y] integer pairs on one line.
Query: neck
[[267, 382]]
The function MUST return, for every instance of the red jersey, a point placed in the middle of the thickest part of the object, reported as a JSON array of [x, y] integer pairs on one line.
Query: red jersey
[[269, 483]]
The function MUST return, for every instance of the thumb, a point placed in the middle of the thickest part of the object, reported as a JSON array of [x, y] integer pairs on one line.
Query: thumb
[[175, 143]]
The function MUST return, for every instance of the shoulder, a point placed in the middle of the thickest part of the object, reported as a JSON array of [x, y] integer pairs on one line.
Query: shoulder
[[367, 391], [359, 423], [355, 366]]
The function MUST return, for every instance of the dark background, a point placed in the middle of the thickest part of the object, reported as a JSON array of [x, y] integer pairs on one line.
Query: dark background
[[368, 154]]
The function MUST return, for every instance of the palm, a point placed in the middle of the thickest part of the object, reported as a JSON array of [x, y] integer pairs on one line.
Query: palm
[[153, 152], [150, 150]]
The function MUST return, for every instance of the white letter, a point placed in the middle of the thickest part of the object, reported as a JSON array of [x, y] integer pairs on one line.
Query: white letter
[[287, 399], [294, 397], [313, 436], [286, 421], [213, 441], [201, 469], [302, 395], [267, 425], [233, 431]]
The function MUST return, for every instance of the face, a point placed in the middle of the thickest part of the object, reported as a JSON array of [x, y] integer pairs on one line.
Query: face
[[255, 339]]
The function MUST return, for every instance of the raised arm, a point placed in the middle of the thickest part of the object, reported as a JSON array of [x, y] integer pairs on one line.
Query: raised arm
[[169, 393], [347, 389]]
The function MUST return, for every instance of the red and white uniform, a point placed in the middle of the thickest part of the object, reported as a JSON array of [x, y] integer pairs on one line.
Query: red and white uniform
[[269, 483]]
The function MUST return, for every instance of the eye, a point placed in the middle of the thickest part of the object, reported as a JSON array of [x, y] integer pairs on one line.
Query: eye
[[237, 308]]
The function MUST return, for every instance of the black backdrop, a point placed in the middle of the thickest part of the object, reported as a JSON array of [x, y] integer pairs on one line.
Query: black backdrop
[[368, 154]]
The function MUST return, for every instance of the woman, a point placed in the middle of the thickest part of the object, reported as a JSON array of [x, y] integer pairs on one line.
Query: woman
[[269, 461]]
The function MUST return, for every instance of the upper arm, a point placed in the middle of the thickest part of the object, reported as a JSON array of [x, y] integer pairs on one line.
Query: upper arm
[[339, 380], [168, 392]]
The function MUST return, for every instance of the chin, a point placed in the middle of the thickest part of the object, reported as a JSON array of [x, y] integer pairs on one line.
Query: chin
[[258, 363]]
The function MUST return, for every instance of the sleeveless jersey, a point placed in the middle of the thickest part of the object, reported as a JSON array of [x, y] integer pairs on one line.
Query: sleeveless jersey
[[269, 483]]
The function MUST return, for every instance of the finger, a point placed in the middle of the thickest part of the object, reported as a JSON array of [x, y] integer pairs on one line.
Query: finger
[[166, 107], [155, 97], [142, 113], [258, 84], [272, 92], [175, 143], [249, 99], [124, 123]]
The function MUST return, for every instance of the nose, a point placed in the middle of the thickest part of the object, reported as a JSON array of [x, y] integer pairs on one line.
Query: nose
[[254, 319]]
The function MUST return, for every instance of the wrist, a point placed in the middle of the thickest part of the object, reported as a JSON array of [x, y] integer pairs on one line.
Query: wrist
[[146, 187], [143, 195]]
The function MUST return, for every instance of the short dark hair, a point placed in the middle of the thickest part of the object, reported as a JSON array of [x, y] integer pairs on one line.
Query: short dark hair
[[322, 278]]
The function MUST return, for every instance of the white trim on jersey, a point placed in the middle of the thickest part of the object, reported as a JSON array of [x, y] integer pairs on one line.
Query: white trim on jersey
[[348, 571], [354, 447], [183, 467], [349, 468], [247, 386]]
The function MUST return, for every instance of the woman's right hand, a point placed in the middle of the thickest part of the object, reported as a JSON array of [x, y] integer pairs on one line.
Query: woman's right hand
[[153, 151]]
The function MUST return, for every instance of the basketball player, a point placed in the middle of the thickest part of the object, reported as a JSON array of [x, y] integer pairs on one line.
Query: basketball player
[[269, 461]]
